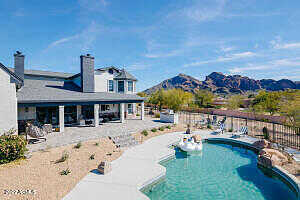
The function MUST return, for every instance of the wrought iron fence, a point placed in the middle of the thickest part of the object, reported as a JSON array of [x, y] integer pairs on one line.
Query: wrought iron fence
[[278, 133]]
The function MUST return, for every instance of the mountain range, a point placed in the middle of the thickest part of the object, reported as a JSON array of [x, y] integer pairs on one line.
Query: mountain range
[[218, 82]]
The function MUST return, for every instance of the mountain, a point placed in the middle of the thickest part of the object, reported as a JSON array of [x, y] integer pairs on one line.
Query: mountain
[[225, 84]]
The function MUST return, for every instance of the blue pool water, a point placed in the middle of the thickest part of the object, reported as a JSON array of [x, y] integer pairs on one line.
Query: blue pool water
[[220, 172]]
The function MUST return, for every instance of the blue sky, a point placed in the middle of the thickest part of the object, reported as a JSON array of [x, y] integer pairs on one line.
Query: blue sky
[[156, 39]]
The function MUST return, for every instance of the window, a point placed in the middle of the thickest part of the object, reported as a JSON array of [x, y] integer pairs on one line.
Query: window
[[130, 86], [120, 86], [110, 85], [130, 109], [111, 71]]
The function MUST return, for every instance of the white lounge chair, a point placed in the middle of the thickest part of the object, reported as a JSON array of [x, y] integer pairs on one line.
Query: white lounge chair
[[243, 131], [220, 129]]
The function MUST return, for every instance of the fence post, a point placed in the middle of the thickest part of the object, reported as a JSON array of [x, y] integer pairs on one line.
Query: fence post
[[274, 139]]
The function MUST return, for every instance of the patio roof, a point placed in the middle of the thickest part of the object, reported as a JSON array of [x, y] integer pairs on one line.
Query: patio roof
[[60, 92]]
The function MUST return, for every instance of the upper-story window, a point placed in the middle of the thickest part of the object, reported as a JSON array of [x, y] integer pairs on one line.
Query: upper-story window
[[110, 85], [121, 86], [130, 86], [111, 71]]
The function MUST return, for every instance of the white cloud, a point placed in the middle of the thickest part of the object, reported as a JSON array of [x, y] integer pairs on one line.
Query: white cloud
[[269, 65], [163, 54], [84, 39], [235, 56], [278, 44], [227, 49], [137, 66], [92, 5]]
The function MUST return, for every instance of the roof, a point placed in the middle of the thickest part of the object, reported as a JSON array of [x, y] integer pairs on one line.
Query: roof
[[12, 74], [45, 73], [124, 75], [43, 91]]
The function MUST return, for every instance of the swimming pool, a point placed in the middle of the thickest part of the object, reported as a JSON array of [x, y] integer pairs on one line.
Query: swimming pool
[[220, 172]]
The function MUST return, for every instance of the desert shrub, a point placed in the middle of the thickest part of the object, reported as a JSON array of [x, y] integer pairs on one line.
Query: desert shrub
[[78, 145], [65, 172], [230, 130], [154, 130], [266, 133], [12, 147], [92, 157], [161, 128], [168, 127], [97, 143], [209, 126], [157, 115], [65, 155], [138, 114], [145, 132]]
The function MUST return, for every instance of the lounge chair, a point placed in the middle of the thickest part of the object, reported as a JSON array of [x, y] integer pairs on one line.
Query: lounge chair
[[220, 129], [243, 131]]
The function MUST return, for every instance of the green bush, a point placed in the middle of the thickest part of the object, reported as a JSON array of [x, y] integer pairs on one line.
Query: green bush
[[209, 126], [168, 127], [157, 115], [154, 130], [63, 158], [92, 157], [97, 143], [65, 172], [162, 128], [137, 114], [12, 147], [78, 145], [145, 132], [230, 130]]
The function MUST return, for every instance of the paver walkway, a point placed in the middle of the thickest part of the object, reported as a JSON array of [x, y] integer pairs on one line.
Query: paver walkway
[[136, 168], [79, 134]]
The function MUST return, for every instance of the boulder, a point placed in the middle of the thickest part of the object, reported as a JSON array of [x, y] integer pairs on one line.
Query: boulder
[[275, 156], [197, 138], [262, 144], [104, 167]]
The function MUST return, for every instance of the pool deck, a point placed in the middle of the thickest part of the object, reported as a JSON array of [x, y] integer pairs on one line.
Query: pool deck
[[136, 168]]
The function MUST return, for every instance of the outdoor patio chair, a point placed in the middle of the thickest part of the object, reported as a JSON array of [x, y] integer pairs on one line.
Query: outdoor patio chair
[[243, 132], [220, 129], [214, 120]]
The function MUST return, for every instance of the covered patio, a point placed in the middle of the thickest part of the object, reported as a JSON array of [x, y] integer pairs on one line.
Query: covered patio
[[83, 114]]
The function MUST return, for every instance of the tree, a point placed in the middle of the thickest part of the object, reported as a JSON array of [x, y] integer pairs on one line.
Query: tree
[[290, 107], [142, 94], [157, 98], [175, 98], [235, 102], [267, 101], [204, 98]]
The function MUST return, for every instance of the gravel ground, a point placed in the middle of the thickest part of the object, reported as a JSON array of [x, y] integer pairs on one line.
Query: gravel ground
[[41, 174], [76, 134]]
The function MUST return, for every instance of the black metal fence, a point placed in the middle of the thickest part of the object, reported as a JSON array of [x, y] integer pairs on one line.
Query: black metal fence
[[278, 133]]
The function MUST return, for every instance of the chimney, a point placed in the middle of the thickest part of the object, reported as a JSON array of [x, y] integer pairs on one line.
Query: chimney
[[87, 73], [19, 64]]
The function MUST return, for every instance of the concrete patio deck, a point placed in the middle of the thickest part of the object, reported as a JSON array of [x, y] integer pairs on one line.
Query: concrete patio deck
[[80, 134]]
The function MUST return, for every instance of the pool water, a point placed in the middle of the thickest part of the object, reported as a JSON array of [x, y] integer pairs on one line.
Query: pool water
[[220, 172]]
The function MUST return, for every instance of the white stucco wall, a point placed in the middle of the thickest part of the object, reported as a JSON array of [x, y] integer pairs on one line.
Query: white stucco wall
[[8, 103], [101, 81], [23, 115]]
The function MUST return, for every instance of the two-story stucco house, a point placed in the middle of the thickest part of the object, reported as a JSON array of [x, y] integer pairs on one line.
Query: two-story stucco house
[[65, 99]]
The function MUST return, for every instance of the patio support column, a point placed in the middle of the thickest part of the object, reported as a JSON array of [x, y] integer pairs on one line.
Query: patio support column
[[96, 115], [142, 111], [78, 112], [122, 109], [61, 118]]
